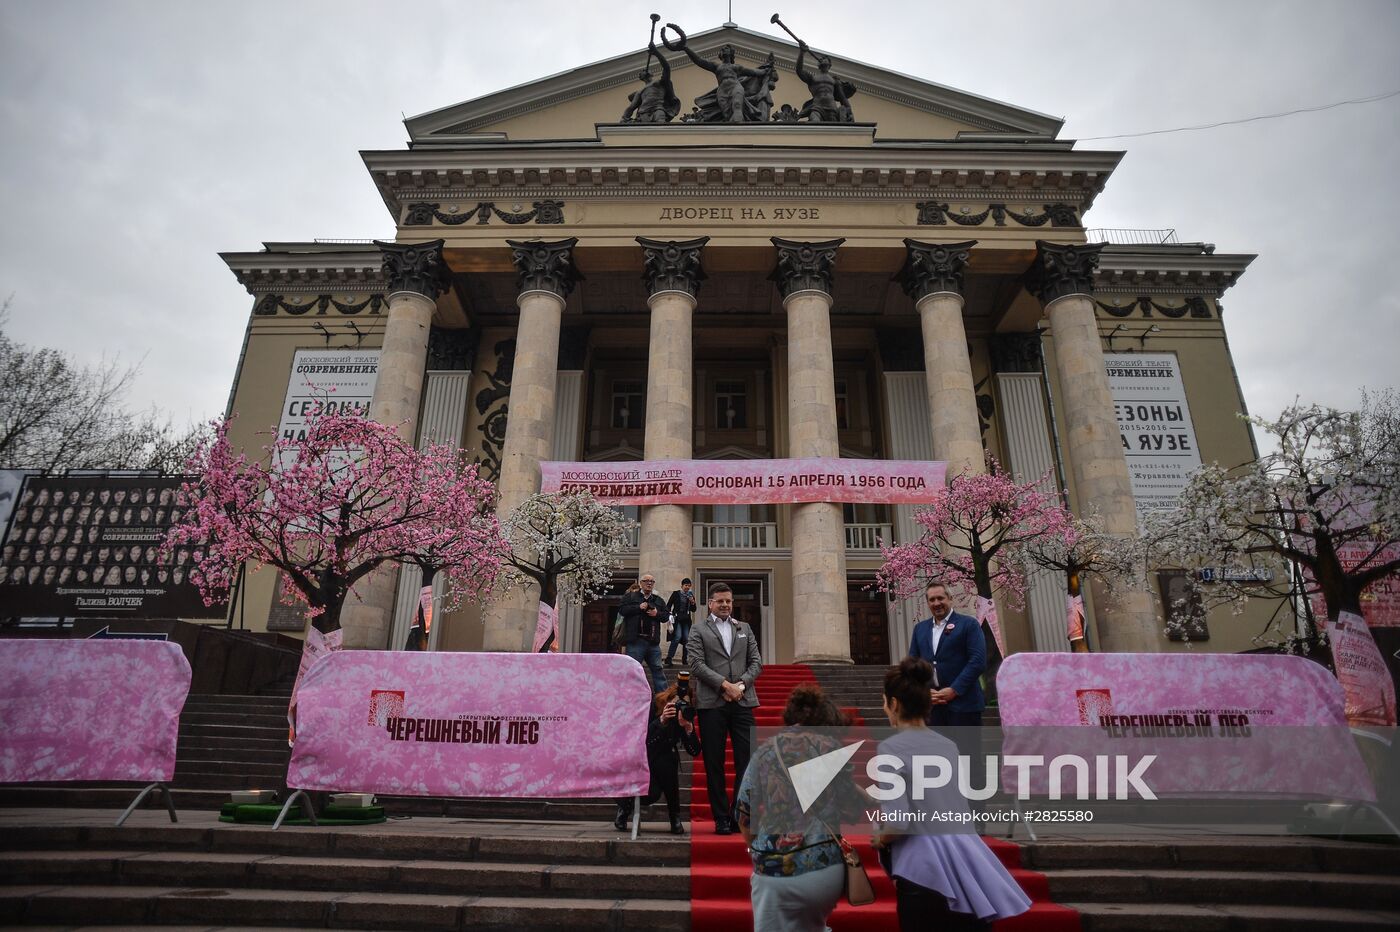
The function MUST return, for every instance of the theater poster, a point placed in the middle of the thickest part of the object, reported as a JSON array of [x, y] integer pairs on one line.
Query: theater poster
[[90, 546], [1154, 423], [343, 378]]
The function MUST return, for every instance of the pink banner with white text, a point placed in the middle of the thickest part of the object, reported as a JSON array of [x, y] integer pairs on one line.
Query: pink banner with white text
[[90, 709], [749, 482], [460, 724], [1232, 724]]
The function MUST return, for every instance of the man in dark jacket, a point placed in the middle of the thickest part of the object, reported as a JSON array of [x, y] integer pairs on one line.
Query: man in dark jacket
[[643, 613], [724, 665], [681, 605], [954, 645]]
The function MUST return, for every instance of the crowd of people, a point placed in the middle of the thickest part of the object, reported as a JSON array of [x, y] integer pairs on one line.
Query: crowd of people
[[948, 881]]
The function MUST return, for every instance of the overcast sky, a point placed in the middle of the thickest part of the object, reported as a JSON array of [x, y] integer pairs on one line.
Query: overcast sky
[[139, 139]]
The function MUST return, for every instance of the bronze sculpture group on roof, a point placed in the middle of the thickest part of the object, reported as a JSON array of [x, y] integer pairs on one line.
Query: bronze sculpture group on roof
[[741, 94]]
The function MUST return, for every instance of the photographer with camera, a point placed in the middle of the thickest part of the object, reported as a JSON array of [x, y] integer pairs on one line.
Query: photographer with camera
[[670, 727], [643, 613]]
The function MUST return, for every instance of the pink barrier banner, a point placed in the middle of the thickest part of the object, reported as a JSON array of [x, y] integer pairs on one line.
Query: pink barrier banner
[[90, 709], [478, 724], [1231, 724], [750, 482]]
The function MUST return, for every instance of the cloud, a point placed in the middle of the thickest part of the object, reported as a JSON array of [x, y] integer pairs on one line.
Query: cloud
[[143, 138]]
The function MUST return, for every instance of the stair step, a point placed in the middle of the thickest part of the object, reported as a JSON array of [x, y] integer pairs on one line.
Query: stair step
[[1274, 854], [1175, 917], [1298, 888], [439, 841], [273, 871], [322, 909], [241, 719]]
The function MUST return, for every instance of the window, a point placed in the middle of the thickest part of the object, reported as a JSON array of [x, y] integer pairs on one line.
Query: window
[[628, 404], [731, 405], [1181, 605], [843, 417]]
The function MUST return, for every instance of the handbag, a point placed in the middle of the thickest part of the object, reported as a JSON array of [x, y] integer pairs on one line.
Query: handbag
[[859, 891]]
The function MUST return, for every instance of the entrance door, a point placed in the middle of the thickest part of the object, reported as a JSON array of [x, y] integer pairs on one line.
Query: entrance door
[[748, 606], [597, 626], [870, 629]]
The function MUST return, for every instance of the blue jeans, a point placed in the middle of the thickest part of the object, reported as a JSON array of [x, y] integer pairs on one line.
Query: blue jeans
[[681, 635], [649, 656]]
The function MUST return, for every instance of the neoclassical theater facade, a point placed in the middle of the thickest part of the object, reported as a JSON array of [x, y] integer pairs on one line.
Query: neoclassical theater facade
[[908, 277]]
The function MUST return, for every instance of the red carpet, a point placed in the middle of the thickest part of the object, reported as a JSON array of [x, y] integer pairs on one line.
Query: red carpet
[[720, 868]]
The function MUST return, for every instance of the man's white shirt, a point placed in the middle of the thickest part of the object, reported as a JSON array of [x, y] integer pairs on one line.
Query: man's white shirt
[[938, 626], [726, 632]]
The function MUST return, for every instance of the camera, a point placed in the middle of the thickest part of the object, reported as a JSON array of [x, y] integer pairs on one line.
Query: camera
[[683, 706]]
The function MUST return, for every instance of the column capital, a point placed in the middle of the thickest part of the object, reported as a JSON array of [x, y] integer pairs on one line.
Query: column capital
[[672, 265], [415, 267], [1062, 269], [546, 266], [804, 266], [930, 268]]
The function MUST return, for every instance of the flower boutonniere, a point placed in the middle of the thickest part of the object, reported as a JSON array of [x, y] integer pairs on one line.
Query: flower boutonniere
[[949, 628]]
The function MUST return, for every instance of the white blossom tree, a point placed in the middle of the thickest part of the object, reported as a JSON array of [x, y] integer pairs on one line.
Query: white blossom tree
[[566, 544], [1321, 513]]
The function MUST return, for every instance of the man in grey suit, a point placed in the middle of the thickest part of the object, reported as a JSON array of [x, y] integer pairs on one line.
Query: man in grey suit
[[724, 664]]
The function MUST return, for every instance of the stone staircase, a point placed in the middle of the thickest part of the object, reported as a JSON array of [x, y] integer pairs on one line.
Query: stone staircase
[[1203, 884], [493, 863], [59, 868]]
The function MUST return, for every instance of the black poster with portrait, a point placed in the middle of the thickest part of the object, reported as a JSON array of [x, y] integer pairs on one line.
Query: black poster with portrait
[[90, 546]]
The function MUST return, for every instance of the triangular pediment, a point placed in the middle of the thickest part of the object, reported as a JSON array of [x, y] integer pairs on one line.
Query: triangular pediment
[[570, 105]]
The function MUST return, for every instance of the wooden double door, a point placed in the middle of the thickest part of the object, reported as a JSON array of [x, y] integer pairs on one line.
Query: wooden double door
[[869, 625]]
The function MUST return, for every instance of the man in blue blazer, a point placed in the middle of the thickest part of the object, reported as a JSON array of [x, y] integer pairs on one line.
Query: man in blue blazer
[[954, 645]]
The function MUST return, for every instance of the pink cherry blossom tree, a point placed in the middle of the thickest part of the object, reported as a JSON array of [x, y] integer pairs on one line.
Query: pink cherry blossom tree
[[329, 508], [976, 539]]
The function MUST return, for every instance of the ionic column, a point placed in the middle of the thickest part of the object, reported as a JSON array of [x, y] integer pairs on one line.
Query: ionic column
[[547, 275], [933, 277], [821, 623], [1062, 278], [673, 274], [417, 274]]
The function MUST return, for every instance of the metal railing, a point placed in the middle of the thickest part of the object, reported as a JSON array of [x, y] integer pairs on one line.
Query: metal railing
[[1127, 237], [867, 536], [736, 536]]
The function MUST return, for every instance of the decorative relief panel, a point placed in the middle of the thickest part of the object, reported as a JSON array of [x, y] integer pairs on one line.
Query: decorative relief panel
[[1193, 306], [934, 213], [268, 305], [492, 404], [422, 214], [451, 350]]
